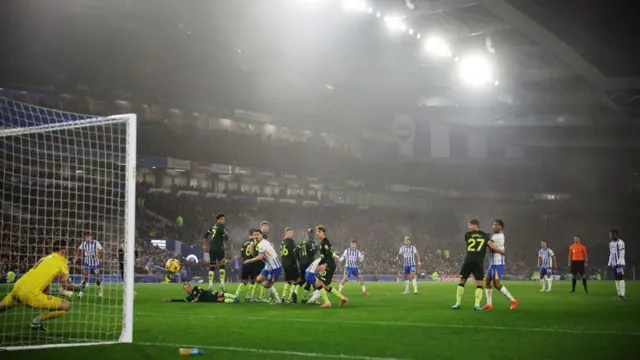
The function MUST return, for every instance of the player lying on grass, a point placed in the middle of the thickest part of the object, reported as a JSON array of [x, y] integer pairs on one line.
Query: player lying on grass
[[32, 288], [195, 294]]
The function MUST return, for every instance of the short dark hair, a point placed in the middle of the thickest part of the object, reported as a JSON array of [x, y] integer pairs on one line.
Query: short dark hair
[[220, 216], [321, 228], [288, 229], [252, 231], [474, 222], [544, 240], [499, 222], [577, 236], [258, 231], [59, 245], [353, 241], [614, 232], [310, 231]]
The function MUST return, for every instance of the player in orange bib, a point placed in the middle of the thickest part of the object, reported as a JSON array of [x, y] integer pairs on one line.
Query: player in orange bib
[[32, 288], [578, 259]]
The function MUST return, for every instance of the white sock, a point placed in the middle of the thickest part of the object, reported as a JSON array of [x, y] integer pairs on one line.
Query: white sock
[[617, 286], [622, 288], [316, 294], [489, 293], [36, 320], [364, 288], [549, 280], [415, 285], [274, 293], [542, 282], [406, 286], [340, 288], [505, 292]]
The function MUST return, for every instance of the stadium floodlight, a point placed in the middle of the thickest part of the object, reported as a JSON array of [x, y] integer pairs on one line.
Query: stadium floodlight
[[437, 46], [411, 31], [476, 70], [370, 10], [354, 5], [57, 143], [395, 23]]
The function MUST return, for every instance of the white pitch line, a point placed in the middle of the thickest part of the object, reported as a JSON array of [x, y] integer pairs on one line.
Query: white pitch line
[[425, 325], [268, 351]]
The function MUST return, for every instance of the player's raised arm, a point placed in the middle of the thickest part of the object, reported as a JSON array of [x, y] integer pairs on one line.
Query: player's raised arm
[[205, 240]]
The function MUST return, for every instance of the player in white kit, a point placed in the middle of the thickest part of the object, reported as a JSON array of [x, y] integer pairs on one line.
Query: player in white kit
[[546, 260], [617, 263], [496, 268], [91, 252], [352, 256], [272, 267]]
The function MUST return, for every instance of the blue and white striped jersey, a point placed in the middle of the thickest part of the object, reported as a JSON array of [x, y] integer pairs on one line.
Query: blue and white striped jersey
[[546, 256], [616, 253], [90, 251], [498, 240], [408, 252], [353, 257], [314, 266], [270, 256]]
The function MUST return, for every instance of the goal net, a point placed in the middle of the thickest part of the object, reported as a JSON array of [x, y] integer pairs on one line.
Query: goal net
[[66, 177]]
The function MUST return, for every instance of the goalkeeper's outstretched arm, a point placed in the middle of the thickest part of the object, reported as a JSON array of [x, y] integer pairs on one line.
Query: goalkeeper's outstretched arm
[[66, 287]]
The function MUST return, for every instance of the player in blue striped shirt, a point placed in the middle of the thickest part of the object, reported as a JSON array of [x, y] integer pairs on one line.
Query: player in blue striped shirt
[[546, 260], [617, 262], [411, 257], [352, 256], [91, 252]]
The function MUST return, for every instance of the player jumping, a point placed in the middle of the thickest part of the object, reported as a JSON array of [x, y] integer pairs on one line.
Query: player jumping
[[617, 263], [213, 243], [195, 294], [290, 265], [546, 259], [352, 256], [410, 255], [477, 242], [327, 269], [32, 288], [91, 252], [496, 268], [272, 267]]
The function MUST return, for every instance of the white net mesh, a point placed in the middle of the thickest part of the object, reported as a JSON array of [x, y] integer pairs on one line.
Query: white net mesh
[[64, 175]]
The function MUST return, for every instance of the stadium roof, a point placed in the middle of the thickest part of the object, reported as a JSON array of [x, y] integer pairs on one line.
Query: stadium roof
[[310, 60]]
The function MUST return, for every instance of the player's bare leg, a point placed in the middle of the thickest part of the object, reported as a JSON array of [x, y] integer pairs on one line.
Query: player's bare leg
[[60, 310], [344, 280], [85, 280], [362, 286], [505, 292], [489, 293]]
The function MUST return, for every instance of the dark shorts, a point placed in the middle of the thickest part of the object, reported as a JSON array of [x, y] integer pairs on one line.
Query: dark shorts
[[577, 267], [327, 275], [248, 272], [121, 266], [216, 254], [291, 273], [472, 268]]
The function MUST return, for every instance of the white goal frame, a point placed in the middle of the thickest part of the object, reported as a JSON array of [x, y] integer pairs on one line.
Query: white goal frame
[[130, 121]]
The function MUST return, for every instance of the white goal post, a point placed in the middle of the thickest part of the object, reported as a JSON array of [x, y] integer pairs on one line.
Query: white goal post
[[68, 177]]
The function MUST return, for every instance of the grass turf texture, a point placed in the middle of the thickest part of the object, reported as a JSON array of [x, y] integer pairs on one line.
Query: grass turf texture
[[384, 324]]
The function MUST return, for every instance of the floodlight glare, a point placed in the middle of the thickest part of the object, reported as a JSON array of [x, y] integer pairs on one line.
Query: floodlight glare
[[475, 70], [354, 5], [437, 46], [395, 23]]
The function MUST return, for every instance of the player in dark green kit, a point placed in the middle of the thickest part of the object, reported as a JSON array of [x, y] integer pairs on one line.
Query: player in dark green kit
[[290, 265], [306, 253], [213, 242], [248, 270], [327, 269], [195, 294], [477, 242]]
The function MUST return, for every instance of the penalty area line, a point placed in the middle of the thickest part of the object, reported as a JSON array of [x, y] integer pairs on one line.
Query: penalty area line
[[268, 351]]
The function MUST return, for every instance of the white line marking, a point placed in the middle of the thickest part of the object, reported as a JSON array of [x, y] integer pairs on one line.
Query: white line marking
[[424, 325], [266, 351]]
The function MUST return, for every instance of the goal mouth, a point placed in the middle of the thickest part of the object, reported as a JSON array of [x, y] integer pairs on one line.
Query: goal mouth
[[67, 177]]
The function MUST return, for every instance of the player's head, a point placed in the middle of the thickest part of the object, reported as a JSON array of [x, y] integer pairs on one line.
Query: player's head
[[353, 244], [576, 239], [251, 232], [321, 231], [257, 234], [288, 233], [221, 219], [498, 225], [187, 288], [264, 227], [311, 233], [407, 241], [87, 236], [613, 234], [543, 243], [473, 225], [60, 246]]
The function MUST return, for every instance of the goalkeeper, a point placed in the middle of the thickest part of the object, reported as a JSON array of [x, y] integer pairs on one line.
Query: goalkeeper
[[195, 294]]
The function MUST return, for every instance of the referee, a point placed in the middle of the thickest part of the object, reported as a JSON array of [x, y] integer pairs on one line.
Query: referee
[[578, 263]]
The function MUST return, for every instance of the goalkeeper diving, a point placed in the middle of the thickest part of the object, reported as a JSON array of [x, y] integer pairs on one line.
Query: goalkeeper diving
[[32, 289], [195, 294]]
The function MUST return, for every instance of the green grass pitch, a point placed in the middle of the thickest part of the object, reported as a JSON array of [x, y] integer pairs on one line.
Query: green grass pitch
[[383, 325]]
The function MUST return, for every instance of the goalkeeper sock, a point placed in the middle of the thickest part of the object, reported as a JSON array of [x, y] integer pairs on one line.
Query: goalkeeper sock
[[285, 289], [336, 294], [478, 296], [221, 274], [239, 289], [489, 293], [47, 316], [459, 293], [211, 276], [506, 293], [323, 294]]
